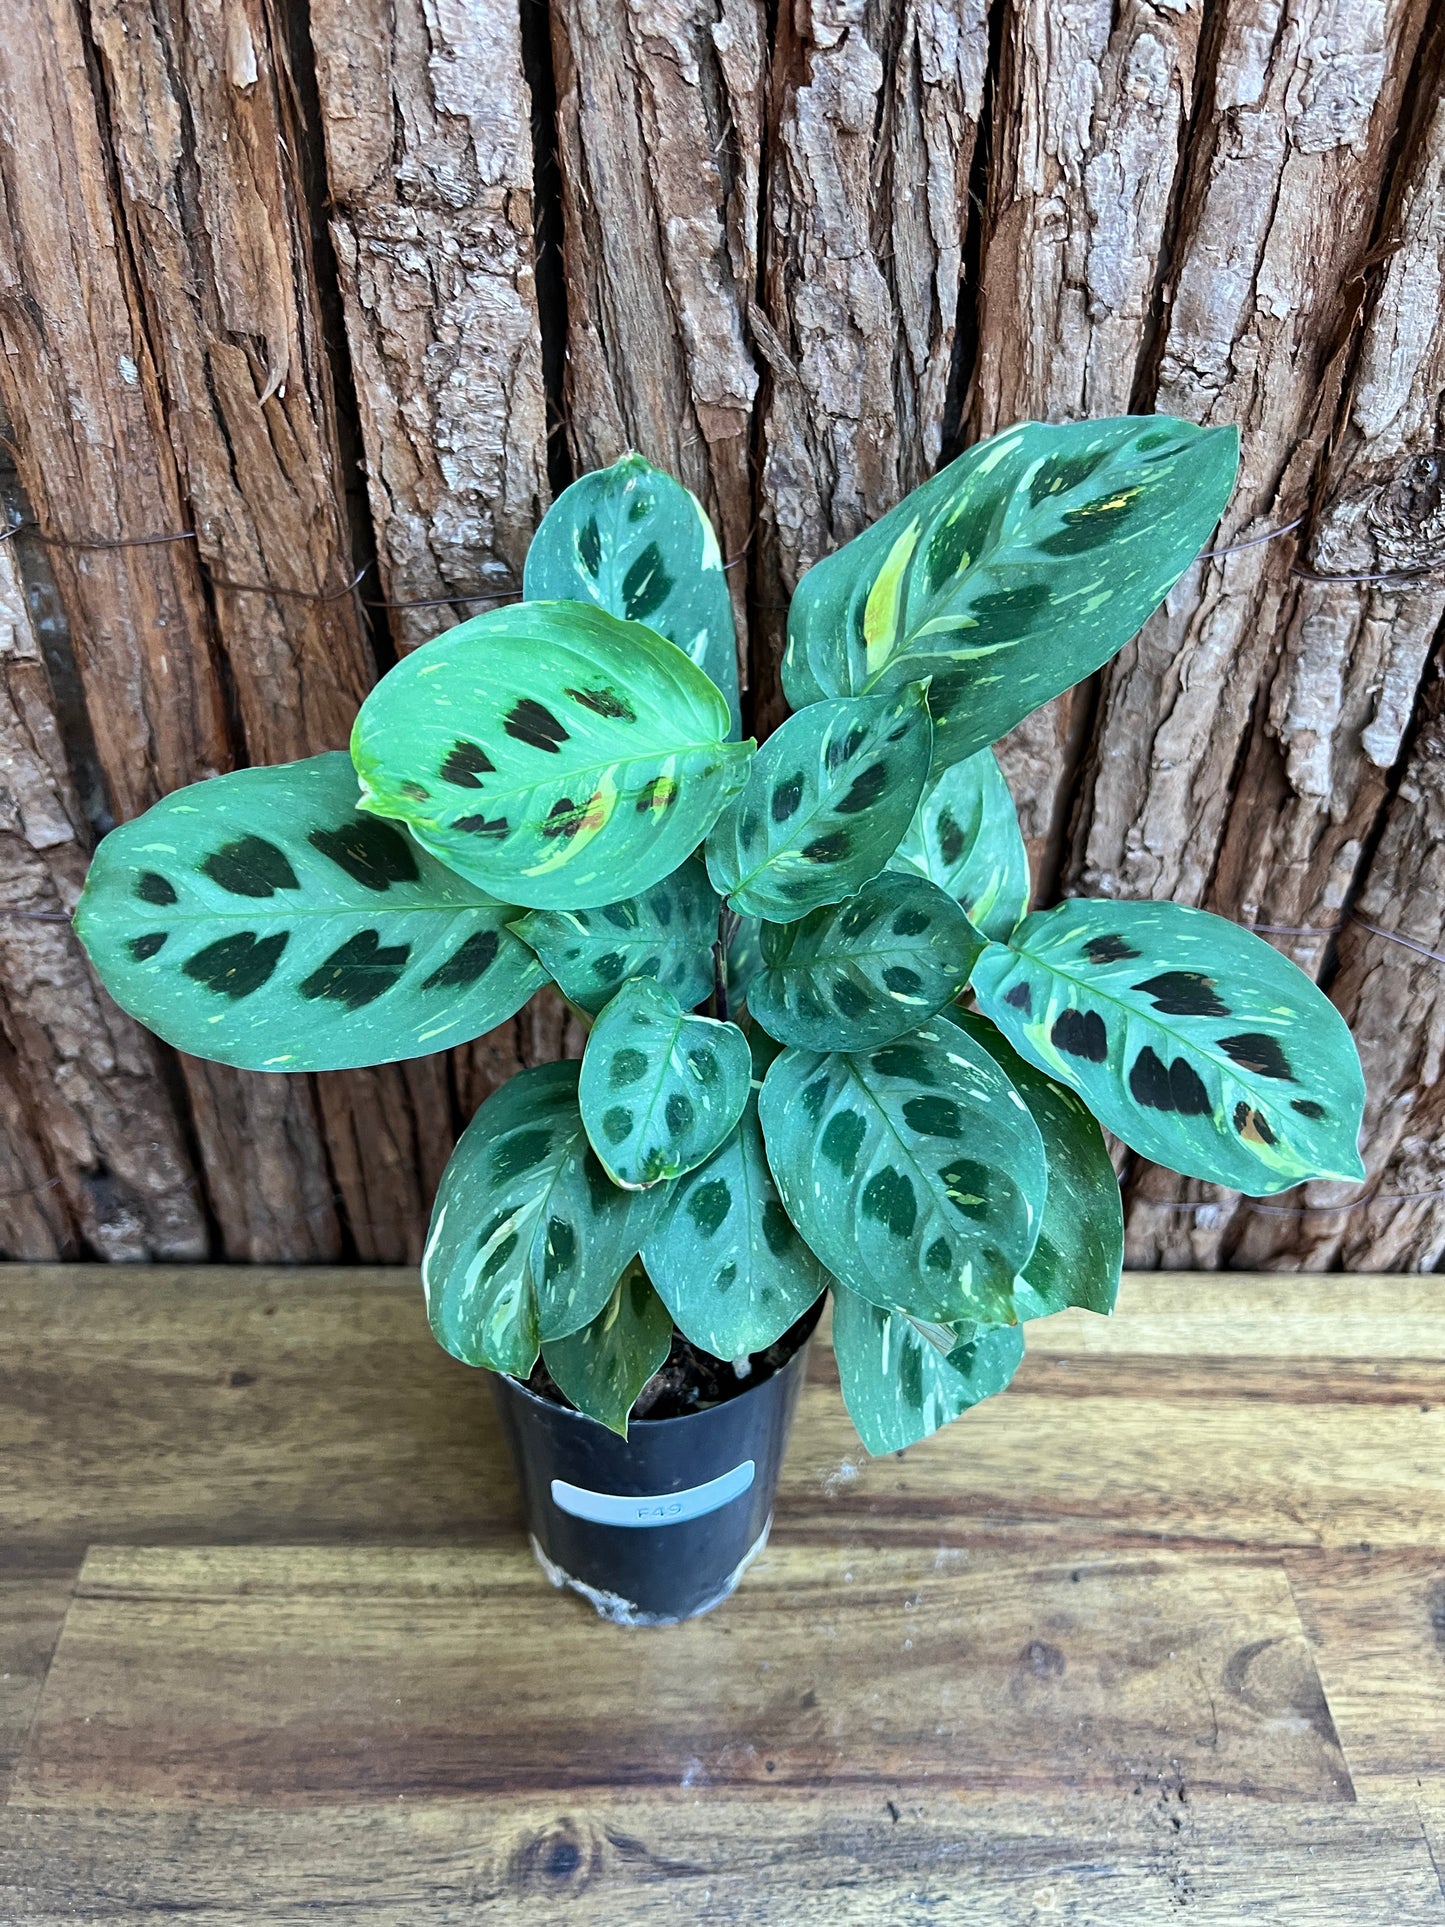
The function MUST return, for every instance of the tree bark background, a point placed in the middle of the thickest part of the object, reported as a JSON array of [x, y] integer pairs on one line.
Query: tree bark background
[[342, 295]]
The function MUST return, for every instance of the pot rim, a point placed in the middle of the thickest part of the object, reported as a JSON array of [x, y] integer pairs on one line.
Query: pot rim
[[809, 1321]]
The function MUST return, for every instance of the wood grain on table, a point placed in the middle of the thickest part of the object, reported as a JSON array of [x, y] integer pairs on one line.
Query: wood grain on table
[[1158, 1636]]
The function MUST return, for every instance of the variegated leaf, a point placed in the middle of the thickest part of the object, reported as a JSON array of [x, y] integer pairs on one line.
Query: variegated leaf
[[257, 919], [745, 960], [914, 1171], [660, 1090], [858, 974], [554, 754], [897, 1386], [528, 1234], [636, 543], [1017, 570], [730, 1267], [1080, 1252], [1192, 1039], [667, 934], [965, 838], [828, 797], [603, 1367]]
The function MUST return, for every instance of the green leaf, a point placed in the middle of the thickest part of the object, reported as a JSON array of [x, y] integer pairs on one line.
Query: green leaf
[[965, 838], [858, 974], [554, 754], [730, 1267], [1192, 1039], [1019, 569], [898, 1388], [1080, 1252], [915, 1171], [258, 920], [660, 1090], [745, 959], [828, 797], [667, 933], [527, 1233], [637, 544], [603, 1367]]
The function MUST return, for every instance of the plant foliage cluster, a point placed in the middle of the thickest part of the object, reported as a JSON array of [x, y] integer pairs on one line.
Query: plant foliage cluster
[[782, 1092]]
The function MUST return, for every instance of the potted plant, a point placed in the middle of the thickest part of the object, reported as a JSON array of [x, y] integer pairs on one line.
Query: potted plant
[[781, 1093]]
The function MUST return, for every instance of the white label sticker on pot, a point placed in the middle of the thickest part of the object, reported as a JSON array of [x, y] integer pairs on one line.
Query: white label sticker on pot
[[652, 1509]]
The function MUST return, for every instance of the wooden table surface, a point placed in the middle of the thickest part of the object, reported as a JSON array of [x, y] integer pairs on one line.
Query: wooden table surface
[[1158, 1636]]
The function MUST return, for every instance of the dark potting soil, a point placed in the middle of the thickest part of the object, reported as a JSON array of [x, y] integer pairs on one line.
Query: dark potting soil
[[690, 1380]]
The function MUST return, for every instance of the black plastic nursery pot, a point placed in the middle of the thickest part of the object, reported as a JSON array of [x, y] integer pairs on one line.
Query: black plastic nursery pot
[[661, 1525]]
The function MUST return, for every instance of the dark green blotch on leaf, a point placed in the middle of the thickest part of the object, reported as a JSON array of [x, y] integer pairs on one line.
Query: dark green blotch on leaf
[[372, 854], [465, 766], [864, 791], [646, 586], [1081, 1033], [495, 826], [516, 1155], [708, 1204], [143, 947], [1307, 1107], [786, 798], [358, 971], [1020, 998], [841, 1140], [1184, 993], [236, 966], [1110, 948], [933, 1116], [250, 867], [152, 887], [831, 848], [1257, 1051], [1168, 1087], [888, 1199], [472, 960], [529, 722]]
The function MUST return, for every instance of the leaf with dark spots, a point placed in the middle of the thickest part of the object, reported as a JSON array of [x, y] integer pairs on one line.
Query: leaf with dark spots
[[239, 965], [646, 585], [1168, 1087], [1020, 997], [532, 723], [152, 887], [897, 1385], [372, 853], [493, 826], [1010, 575], [901, 981], [1082, 1034], [589, 546], [850, 998], [1252, 1124], [475, 957], [1110, 948], [1257, 1051], [1182, 993], [863, 1183], [466, 764], [686, 1077], [301, 871], [604, 702], [250, 867], [1275, 1102], [358, 971], [910, 923]]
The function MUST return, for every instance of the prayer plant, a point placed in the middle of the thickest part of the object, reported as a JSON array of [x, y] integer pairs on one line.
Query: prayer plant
[[781, 1093]]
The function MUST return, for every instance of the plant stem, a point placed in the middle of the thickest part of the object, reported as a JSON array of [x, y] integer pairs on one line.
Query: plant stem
[[720, 964]]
